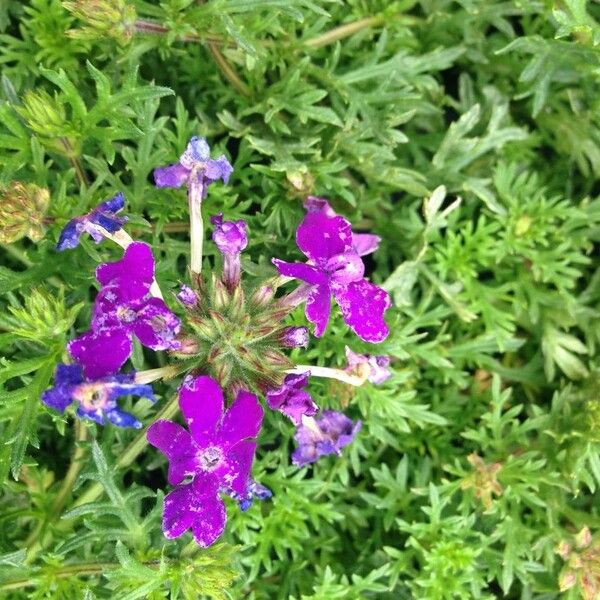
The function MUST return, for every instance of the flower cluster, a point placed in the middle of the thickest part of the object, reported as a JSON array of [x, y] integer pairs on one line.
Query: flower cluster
[[232, 342]]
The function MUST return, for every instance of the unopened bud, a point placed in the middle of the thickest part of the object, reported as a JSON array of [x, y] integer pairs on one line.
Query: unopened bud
[[220, 294], [263, 295], [294, 337], [23, 207], [277, 359], [187, 296], [584, 538], [188, 346], [567, 580]]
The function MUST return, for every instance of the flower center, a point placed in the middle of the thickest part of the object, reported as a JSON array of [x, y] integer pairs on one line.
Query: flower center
[[210, 458], [125, 314], [91, 396]]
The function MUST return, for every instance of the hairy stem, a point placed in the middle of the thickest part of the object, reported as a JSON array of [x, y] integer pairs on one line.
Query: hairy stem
[[195, 191], [339, 374]]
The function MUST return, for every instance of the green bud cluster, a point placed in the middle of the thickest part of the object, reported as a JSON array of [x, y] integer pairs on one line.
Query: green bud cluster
[[43, 318], [103, 18], [235, 338], [23, 207], [46, 116]]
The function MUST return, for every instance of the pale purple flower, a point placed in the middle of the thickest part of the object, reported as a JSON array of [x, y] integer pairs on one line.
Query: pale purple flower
[[103, 216], [123, 308], [363, 243], [292, 399], [377, 365], [187, 296], [217, 453], [294, 337], [327, 434], [194, 167], [334, 268], [230, 238], [96, 398]]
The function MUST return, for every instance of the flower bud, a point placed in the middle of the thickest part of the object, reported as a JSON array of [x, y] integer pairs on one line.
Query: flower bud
[[187, 296], [103, 18], [46, 117], [23, 207], [294, 337]]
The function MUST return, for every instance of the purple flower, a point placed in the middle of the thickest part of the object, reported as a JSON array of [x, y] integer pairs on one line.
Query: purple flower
[[294, 337], [187, 296], [335, 269], [103, 216], [194, 167], [326, 435], [291, 399], [216, 453], [230, 238], [363, 243], [376, 366], [254, 491], [97, 398], [124, 307]]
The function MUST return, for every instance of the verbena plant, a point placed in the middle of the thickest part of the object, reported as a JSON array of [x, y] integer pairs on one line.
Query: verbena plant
[[432, 432]]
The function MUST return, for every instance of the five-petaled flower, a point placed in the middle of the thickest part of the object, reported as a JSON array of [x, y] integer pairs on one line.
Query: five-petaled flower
[[195, 166], [292, 399], [327, 434], [125, 307], [376, 366], [335, 269], [96, 398], [97, 222], [216, 453]]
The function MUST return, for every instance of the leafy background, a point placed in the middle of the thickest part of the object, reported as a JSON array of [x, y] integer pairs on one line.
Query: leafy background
[[373, 104]]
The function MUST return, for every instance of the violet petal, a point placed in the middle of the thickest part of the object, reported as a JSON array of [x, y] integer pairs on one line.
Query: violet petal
[[172, 176], [101, 353], [363, 305], [201, 402], [177, 445], [242, 419]]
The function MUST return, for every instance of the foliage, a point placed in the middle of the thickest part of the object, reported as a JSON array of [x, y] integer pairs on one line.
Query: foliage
[[466, 134]]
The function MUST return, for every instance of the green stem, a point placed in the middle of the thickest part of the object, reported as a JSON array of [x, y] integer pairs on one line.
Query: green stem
[[81, 432], [228, 71], [94, 491], [343, 31], [20, 255], [83, 569]]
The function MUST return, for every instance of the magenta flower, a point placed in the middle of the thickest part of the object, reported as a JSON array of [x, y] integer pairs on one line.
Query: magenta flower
[[335, 269], [363, 243], [230, 238], [216, 453], [123, 308], [294, 337], [104, 216], [96, 397], [326, 435], [194, 167], [377, 365], [292, 399]]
